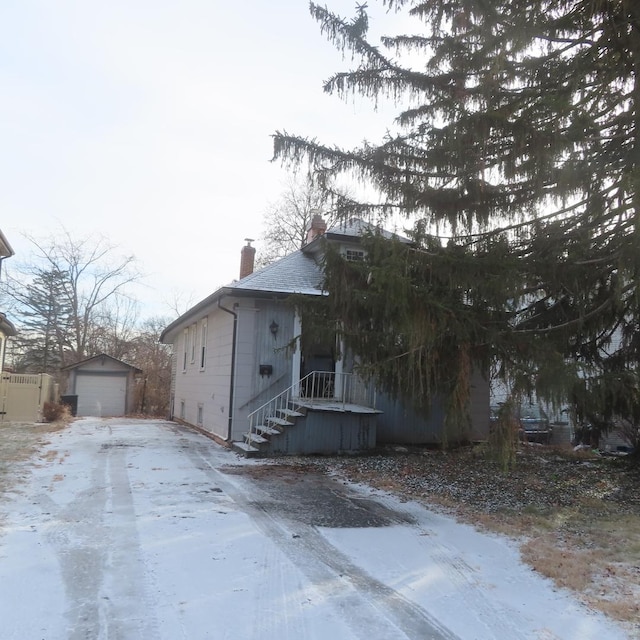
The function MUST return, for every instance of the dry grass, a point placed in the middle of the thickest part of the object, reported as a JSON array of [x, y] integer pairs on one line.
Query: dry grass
[[569, 568], [19, 441]]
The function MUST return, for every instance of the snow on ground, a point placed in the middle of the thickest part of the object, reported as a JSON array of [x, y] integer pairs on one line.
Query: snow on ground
[[134, 529]]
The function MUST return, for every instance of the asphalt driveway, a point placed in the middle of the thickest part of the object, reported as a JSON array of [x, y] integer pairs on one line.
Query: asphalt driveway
[[125, 529]]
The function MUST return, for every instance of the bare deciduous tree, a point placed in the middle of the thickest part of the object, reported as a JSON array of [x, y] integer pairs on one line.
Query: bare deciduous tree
[[147, 353], [88, 285], [287, 220]]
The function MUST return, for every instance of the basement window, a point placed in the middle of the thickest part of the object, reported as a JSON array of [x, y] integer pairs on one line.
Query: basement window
[[200, 412]]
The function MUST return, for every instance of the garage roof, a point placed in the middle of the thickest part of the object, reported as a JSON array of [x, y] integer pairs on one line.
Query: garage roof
[[98, 357]]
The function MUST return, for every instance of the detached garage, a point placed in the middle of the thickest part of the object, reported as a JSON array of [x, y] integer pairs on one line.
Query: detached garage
[[104, 386]]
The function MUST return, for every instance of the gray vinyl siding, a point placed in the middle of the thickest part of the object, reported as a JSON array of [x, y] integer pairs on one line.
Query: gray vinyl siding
[[207, 388], [245, 368], [257, 346], [400, 423], [479, 406], [215, 380]]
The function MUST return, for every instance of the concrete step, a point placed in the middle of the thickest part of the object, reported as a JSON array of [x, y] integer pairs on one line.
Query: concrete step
[[243, 448], [281, 422], [263, 429], [255, 438], [290, 413]]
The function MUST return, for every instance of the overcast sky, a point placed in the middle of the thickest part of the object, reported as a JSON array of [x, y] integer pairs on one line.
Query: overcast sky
[[150, 123]]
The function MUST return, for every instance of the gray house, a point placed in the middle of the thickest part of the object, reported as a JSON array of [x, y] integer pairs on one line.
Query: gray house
[[240, 376]]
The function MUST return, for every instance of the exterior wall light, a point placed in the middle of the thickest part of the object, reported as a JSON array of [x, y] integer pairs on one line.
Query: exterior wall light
[[273, 327]]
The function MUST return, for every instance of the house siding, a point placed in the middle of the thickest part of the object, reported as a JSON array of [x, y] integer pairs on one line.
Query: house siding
[[324, 432], [258, 346], [400, 423], [479, 406], [245, 369], [205, 390]]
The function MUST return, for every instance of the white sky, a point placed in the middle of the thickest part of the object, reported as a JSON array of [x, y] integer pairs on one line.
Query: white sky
[[150, 123]]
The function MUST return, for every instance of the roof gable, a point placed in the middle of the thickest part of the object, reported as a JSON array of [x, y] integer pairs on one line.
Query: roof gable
[[103, 357], [5, 248], [356, 227]]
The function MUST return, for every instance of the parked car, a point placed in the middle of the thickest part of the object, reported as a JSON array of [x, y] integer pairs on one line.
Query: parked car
[[534, 424]]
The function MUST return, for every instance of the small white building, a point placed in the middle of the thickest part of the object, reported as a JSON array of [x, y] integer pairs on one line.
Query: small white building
[[101, 386]]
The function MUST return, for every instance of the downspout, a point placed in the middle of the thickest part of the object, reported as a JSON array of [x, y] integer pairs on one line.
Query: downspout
[[233, 365]]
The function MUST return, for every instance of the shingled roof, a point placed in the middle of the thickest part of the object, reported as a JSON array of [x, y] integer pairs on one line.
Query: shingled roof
[[355, 228], [299, 272], [296, 273]]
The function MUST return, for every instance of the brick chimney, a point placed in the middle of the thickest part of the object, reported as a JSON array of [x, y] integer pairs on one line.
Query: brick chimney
[[247, 257], [317, 228]]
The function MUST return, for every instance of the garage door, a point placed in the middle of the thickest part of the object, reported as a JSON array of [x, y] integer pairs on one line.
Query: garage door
[[101, 395]]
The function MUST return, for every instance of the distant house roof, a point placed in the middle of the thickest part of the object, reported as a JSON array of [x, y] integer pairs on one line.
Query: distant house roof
[[356, 228], [6, 326], [5, 247], [299, 272]]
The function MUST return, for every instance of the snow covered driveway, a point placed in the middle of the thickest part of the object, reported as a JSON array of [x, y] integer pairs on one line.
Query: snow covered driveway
[[140, 529]]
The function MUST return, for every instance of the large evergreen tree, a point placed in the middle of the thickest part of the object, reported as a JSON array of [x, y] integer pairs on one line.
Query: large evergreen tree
[[45, 321], [518, 137]]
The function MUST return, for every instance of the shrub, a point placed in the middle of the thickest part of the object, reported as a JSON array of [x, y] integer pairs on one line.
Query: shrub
[[55, 412]]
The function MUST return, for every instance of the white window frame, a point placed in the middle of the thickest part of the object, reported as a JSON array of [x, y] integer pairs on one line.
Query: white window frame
[[354, 255], [192, 341], [200, 414], [185, 350], [203, 344]]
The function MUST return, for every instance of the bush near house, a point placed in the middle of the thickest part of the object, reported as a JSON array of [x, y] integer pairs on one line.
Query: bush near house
[[55, 412]]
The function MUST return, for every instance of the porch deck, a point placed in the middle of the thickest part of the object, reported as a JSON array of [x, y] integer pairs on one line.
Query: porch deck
[[333, 405], [324, 413]]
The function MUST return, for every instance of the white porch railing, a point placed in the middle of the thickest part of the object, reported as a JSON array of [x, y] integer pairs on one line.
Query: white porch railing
[[325, 388]]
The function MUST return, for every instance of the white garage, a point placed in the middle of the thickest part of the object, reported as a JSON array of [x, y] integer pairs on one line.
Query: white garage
[[102, 386], [101, 394]]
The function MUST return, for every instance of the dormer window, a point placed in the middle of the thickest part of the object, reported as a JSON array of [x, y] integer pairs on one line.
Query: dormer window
[[354, 255]]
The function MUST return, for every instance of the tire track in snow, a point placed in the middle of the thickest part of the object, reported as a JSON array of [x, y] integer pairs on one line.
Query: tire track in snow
[[457, 582], [278, 609], [95, 539], [370, 608], [492, 619]]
